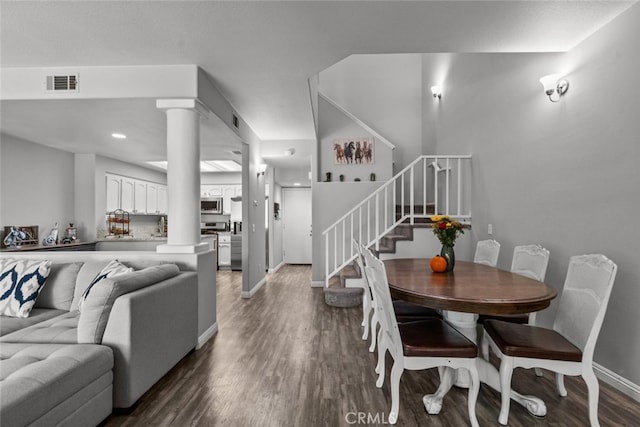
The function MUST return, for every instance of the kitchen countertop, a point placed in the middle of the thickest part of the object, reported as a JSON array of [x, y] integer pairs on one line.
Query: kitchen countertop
[[133, 239], [27, 248]]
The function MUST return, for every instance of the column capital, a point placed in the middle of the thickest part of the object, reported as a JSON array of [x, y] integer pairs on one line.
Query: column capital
[[183, 104]]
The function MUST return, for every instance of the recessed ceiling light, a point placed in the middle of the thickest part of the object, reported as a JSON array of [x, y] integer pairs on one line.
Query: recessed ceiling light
[[119, 135], [297, 184]]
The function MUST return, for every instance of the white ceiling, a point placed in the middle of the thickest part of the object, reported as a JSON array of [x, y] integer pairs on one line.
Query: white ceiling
[[260, 54]]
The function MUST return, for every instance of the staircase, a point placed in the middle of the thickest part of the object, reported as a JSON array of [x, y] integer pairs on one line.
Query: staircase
[[429, 184], [345, 288]]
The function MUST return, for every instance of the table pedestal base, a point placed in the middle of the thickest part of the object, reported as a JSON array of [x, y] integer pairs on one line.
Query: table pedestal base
[[466, 324]]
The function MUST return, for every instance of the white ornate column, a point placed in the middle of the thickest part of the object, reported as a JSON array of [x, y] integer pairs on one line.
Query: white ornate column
[[183, 174]]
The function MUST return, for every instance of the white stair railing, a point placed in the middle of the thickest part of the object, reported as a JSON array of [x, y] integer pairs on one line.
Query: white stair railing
[[429, 185]]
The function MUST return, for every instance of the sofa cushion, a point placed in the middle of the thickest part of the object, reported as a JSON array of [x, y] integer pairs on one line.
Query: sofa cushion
[[59, 330], [114, 268], [36, 379], [20, 283], [97, 306], [58, 291], [37, 315]]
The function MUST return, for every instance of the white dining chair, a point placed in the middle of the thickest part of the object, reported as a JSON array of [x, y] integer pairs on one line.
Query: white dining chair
[[404, 311], [487, 252], [530, 261], [567, 348], [418, 345]]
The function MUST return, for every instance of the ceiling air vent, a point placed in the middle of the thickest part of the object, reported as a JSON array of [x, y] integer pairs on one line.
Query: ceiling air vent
[[235, 121], [62, 83]]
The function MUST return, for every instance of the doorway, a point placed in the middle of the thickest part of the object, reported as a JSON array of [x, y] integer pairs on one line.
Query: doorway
[[296, 221]]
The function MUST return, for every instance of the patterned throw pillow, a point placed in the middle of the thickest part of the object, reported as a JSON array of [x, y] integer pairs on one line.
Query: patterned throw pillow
[[114, 268], [20, 283]]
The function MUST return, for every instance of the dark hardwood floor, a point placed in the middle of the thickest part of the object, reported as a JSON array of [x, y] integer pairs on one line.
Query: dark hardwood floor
[[284, 358]]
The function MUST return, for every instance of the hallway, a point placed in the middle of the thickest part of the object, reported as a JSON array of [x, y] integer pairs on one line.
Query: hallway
[[284, 358]]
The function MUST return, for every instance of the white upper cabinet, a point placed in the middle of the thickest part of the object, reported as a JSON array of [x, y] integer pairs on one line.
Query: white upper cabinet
[[113, 192], [135, 195], [127, 195], [163, 203], [140, 197]]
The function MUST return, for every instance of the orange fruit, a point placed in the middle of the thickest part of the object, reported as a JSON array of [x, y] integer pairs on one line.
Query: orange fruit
[[438, 264]]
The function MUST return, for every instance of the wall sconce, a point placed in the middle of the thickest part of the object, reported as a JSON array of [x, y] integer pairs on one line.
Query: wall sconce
[[436, 91], [553, 85], [261, 169]]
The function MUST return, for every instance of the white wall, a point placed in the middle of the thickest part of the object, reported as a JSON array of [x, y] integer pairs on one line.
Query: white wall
[[37, 185], [334, 125], [385, 92], [564, 175]]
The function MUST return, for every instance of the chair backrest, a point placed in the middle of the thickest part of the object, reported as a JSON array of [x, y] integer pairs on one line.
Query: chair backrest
[[360, 261], [487, 252], [530, 261], [380, 287], [584, 301]]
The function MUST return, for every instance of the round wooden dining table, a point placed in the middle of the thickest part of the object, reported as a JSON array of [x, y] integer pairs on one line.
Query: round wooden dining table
[[469, 290]]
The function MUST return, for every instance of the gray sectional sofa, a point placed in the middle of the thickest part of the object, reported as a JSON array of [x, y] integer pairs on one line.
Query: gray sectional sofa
[[60, 366]]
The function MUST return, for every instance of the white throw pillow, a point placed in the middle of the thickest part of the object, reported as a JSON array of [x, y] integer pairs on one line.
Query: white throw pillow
[[20, 283], [112, 269]]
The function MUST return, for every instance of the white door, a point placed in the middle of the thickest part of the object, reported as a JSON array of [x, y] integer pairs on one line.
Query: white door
[[296, 217]]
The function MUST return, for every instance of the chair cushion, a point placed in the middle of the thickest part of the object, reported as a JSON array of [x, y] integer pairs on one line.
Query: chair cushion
[[531, 341], [407, 309], [513, 318], [434, 338]]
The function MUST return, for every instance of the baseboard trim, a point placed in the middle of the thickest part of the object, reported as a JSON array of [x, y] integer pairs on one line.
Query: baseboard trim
[[273, 270], [207, 335], [616, 381], [317, 283], [255, 289]]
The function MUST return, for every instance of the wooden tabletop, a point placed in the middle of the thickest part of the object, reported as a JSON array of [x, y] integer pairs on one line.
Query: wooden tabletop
[[471, 288]]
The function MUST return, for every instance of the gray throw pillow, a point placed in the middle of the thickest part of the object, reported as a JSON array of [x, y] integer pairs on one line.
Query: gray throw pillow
[[97, 306], [58, 290]]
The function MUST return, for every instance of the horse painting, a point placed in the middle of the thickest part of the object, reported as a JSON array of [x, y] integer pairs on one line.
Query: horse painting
[[339, 153], [367, 152], [348, 151], [358, 152]]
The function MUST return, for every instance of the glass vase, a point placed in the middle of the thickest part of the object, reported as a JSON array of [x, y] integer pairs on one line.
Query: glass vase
[[447, 253]]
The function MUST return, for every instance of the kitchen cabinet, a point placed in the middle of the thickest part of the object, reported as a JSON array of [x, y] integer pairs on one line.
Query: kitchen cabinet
[[152, 198], [127, 194], [113, 192], [210, 190], [224, 250], [120, 193], [163, 204], [140, 197], [156, 199], [136, 196]]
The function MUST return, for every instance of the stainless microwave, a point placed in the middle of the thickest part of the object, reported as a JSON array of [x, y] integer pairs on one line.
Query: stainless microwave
[[212, 205]]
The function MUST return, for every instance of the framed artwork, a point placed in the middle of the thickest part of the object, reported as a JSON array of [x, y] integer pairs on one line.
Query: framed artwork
[[353, 151]]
